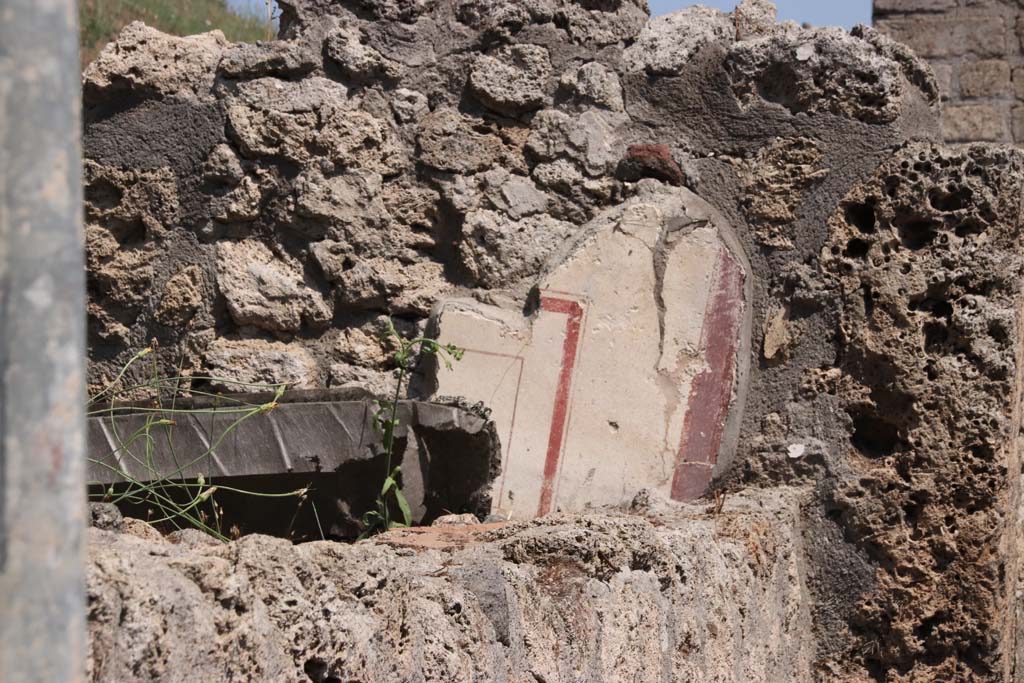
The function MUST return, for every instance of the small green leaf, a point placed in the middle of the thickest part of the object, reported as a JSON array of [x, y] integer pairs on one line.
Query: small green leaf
[[389, 483], [403, 505]]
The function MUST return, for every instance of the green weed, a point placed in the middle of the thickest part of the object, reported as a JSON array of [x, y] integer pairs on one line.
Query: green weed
[[101, 20], [385, 421], [177, 500]]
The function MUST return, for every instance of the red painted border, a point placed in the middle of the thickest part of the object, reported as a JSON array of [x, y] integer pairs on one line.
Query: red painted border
[[560, 412], [711, 392]]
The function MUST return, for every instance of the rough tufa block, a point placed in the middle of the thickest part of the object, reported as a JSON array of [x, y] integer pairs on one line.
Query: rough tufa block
[[921, 280], [672, 593]]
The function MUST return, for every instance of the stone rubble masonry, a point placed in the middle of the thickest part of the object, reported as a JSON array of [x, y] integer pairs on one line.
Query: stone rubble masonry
[[976, 51], [259, 210], [667, 593]]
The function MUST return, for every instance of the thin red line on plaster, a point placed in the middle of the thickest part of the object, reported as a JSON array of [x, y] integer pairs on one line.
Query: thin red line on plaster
[[560, 411], [585, 303], [515, 408]]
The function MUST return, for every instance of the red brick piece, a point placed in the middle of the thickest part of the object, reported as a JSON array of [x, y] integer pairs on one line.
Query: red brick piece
[[651, 161]]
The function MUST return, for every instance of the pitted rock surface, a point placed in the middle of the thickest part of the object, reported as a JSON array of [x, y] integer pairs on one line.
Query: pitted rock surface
[[921, 277], [926, 257], [646, 596]]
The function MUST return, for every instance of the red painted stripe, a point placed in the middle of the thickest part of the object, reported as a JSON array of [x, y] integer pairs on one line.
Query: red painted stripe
[[561, 409], [711, 392], [580, 353]]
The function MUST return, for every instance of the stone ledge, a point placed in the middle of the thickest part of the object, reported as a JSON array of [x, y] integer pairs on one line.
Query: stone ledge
[[671, 592], [325, 440]]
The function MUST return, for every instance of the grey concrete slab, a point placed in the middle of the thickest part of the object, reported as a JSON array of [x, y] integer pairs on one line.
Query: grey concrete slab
[[449, 454]]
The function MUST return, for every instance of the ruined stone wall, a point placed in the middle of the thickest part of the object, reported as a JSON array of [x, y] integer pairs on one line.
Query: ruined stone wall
[[258, 210], [975, 50], [460, 164], [663, 594]]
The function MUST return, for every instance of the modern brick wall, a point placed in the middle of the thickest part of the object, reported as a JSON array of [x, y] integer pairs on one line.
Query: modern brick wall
[[975, 48]]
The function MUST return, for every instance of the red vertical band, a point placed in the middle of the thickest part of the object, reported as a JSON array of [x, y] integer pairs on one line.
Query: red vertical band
[[561, 410], [708, 408]]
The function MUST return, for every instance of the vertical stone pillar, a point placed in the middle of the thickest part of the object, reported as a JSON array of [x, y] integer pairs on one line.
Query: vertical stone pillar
[[42, 311]]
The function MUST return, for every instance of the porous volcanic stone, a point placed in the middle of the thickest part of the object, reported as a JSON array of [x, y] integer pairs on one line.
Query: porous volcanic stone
[[248, 205], [666, 593]]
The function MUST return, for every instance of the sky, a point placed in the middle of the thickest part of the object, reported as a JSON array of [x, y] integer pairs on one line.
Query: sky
[[818, 12], [257, 7]]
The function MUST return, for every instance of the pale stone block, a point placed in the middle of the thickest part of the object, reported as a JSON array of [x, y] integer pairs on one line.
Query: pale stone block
[[947, 35], [944, 78], [1018, 124], [985, 78], [1018, 82], [974, 123], [883, 6]]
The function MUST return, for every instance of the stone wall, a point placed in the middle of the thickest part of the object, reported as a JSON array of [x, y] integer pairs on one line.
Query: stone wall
[[784, 278], [259, 210], [975, 49], [667, 593]]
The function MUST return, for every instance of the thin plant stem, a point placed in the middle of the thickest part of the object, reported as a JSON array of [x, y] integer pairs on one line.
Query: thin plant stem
[[375, 521], [316, 516], [164, 490], [389, 434]]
